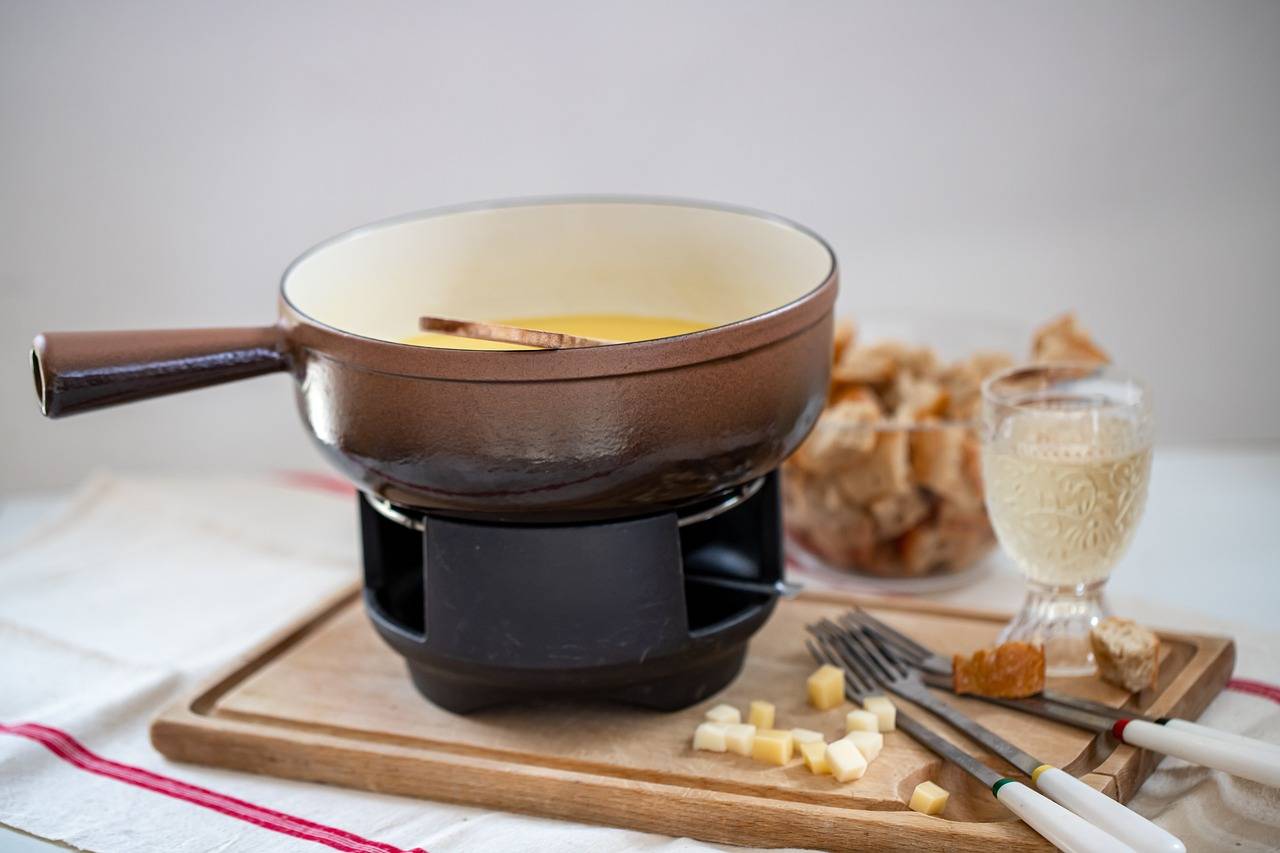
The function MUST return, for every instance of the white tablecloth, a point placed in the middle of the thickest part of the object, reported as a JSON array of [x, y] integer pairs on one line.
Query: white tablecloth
[[138, 588]]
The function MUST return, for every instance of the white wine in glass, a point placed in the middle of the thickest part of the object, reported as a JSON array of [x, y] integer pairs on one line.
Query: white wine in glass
[[1066, 460]]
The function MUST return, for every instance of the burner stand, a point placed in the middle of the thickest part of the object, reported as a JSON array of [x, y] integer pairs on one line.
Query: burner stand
[[492, 613]]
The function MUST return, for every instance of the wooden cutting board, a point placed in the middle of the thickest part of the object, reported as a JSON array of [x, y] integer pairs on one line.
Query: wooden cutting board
[[327, 701]]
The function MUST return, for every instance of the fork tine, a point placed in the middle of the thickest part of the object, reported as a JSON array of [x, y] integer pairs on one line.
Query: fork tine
[[853, 671], [852, 622], [909, 645], [825, 655], [904, 644], [857, 659], [888, 662]]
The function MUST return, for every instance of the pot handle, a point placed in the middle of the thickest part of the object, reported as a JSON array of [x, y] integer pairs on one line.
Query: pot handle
[[78, 371]]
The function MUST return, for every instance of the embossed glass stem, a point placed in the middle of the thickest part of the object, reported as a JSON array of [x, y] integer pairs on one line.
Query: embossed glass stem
[[1066, 458], [1060, 619]]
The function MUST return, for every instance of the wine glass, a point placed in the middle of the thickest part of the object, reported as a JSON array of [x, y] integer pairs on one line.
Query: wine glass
[[1066, 456]]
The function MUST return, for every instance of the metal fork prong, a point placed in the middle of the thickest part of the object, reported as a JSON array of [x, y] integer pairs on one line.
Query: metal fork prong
[[900, 668], [822, 654], [851, 664], [899, 650], [908, 645], [868, 667], [876, 645]]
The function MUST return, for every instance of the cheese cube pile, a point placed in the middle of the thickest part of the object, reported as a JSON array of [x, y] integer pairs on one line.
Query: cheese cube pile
[[929, 798], [845, 759]]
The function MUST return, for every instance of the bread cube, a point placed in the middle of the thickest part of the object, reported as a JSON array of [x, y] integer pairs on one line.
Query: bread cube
[[886, 713], [761, 714], [814, 754], [710, 737], [845, 761], [861, 720], [929, 798], [826, 687], [868, 743], [739, 737], [726, 714], [773, 746]]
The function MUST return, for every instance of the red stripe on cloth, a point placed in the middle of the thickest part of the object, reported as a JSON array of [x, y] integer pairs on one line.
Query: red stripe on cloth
[[317, 482], [75, 753], [1255, 688]]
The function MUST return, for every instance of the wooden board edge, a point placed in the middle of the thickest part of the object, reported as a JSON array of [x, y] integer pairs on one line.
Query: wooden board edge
[[714, 816], [203, 697], [1204, 677], [186, 731]]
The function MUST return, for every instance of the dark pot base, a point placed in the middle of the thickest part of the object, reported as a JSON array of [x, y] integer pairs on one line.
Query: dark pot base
[[490, 613]]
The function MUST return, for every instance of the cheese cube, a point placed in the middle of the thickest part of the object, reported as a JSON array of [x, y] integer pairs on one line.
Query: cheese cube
[[928, 798], [739, 737], [772, 746], [845, 761], [861, 721], [761, 714], [814, 754], [884, 710], [726, 714], [710, 737], [868, 743], [805, 736], [826, 687]]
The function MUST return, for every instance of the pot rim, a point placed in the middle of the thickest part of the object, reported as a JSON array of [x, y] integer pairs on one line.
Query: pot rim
[[710, 344]]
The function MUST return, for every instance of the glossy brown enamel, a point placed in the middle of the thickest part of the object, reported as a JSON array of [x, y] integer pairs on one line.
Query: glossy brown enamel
[[531, 434], [568, 446]]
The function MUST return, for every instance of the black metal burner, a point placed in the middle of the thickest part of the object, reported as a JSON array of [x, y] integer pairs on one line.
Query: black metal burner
[[634, 610]]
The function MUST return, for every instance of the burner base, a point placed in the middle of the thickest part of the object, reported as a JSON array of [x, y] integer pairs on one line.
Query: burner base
[[490, 613]]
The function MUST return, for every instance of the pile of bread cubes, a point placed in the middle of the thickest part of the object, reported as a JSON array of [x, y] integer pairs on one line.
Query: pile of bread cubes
[[845, 759]]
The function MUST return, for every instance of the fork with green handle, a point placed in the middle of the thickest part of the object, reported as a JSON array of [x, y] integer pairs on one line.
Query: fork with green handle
[[860, 654], [1066, 831]]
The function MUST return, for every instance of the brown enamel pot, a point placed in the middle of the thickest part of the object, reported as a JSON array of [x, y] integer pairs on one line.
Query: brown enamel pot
[[526, 434]]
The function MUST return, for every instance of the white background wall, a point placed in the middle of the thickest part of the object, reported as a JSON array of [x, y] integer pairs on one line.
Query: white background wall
[[161, 162]]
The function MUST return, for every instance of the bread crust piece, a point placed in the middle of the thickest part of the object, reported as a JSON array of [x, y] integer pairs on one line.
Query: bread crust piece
[[1127, 654], [1009, 671]]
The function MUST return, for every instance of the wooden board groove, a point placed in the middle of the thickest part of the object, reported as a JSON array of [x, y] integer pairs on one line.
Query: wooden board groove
[[325, 701]]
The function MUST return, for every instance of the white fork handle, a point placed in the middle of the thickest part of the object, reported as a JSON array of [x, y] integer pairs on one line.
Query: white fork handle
[[1218, 734], [1060, 827], [1105, 813], [1245, 762]]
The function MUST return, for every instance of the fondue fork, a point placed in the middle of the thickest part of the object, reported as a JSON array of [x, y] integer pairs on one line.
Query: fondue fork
[[1061, 828], [500, 333], [1247, 762], [930, 662], [861, 653]]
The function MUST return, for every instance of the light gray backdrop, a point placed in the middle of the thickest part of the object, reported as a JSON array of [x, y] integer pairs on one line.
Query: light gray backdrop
[[161, 162]]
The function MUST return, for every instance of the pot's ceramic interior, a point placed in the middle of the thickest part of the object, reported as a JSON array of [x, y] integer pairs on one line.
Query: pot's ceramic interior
[[705, 265]]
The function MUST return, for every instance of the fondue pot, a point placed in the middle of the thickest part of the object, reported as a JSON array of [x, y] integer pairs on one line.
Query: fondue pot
[[482, 445]]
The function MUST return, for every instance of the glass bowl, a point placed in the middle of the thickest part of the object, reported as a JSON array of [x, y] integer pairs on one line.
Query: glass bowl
[[886, 492]]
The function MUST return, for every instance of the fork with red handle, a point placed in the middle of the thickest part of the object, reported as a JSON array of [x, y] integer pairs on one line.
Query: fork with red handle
[[1231, 753]]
